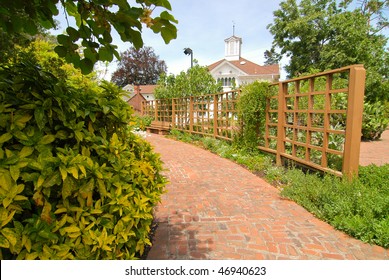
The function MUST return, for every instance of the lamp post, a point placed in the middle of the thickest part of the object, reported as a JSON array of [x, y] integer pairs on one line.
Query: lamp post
[[188, 51]]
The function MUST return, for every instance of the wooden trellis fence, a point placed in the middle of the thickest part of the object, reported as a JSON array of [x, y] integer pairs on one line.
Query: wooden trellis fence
[[314, 120], [212, 115]]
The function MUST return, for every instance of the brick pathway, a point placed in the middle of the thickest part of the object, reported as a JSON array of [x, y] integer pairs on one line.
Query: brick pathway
[[376, 152], [215, 209]]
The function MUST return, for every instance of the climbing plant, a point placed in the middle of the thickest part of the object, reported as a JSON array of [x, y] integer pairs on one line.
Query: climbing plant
[[251, 113]]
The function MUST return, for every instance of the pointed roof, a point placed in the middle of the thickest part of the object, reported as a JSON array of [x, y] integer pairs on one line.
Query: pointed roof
[[233, 38], [149, 89], [250, 68]]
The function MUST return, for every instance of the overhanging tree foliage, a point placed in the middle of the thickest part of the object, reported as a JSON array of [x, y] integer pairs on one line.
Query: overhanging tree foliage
[[138, 66], [95, 20]]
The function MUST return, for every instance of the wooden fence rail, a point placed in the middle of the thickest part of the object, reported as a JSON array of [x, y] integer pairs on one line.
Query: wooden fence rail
[[212, 115], [314, 120]]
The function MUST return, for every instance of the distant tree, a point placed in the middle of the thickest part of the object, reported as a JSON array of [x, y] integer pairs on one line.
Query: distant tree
[[194, 82], [140, 67], [325, 34], [272, 57]]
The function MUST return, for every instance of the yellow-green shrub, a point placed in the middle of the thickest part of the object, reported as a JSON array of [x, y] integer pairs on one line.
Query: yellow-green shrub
[[75, 183]]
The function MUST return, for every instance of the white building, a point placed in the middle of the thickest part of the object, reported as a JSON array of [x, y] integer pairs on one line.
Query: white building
[[235, 71]]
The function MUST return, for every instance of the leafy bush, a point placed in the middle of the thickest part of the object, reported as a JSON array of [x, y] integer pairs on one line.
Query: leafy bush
[[75, 183], [359, 208], [375, 120], [182, 136], [251, 113], [141, 122]]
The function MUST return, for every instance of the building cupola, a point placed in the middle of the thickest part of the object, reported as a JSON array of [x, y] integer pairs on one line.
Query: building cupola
[[233, 48]]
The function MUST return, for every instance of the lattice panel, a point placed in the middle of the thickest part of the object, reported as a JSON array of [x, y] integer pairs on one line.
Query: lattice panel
[[226, 114], [315, 126], [307, 121], [148, 108], [164, 111], [181, 116], [203, 114]]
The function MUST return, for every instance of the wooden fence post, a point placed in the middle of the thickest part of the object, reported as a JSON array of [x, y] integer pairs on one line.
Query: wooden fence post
[[173, 113], [282, 90], [191, 116], [354, 121], [215, 115], [156, 110]]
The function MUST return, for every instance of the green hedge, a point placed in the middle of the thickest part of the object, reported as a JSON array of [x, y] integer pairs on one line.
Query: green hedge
[[75, 183]]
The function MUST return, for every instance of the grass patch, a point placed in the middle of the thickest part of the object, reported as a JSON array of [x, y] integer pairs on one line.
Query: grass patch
[[359, 208]]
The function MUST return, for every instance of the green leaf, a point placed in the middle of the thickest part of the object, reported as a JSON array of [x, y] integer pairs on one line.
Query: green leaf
[[90, 54], [63, 172], [85, 32], [3, 242], [107, 37], [5, 218], [26, 242], [86, 66], [164, 3], [25, 152], [40, 117], [32, 256], [5, 137], [105, 54], [135, 37], [68, 187], [73, 33], [71, 229], [21, 136], [47, 139], [54, 179], [61, 51], [168, 33], [6, 182], [15, 172], [40, 181], [82, 169], [20, 121], [73, 171], [30, 27], [47, 24], [165, 15], [64, 39], [11, 235]]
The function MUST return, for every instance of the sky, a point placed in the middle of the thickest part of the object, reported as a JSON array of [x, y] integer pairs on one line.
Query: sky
[[203, 25]]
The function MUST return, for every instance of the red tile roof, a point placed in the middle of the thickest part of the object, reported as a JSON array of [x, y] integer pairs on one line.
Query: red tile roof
[[147, 88], [249, 67]]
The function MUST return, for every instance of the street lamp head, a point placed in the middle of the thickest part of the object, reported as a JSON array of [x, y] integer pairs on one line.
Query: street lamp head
[[188, 51]]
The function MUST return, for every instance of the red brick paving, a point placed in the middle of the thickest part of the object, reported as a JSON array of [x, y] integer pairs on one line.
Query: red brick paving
[[376, 152], [215, 209]]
